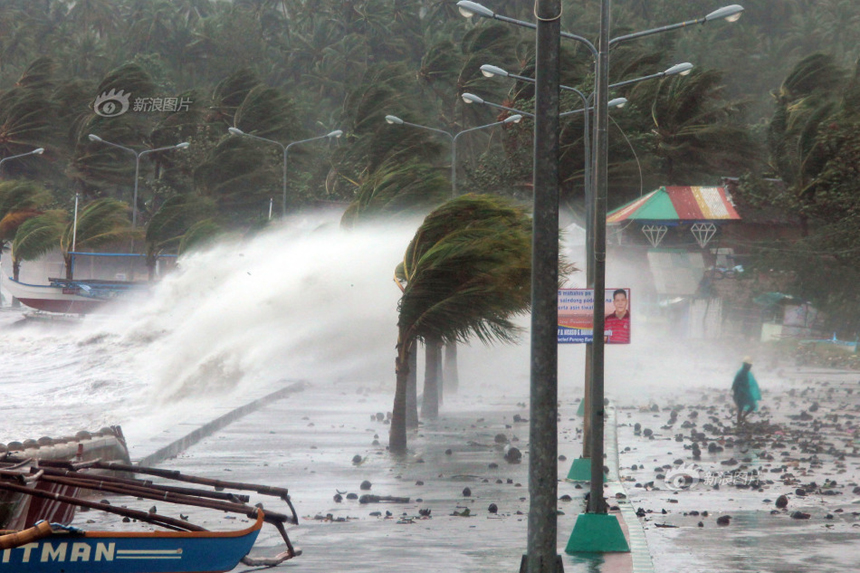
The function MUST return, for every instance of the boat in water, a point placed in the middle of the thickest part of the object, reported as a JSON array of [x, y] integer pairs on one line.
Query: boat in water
[[71, 296], [88, 293]]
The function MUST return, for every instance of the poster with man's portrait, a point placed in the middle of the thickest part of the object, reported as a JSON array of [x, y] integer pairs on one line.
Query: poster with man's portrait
[[576, 316]]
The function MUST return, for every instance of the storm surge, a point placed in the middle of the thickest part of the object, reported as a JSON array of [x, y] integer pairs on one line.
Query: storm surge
[[303, 299]]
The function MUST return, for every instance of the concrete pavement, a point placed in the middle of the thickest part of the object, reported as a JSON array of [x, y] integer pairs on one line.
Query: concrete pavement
[[306, 440]]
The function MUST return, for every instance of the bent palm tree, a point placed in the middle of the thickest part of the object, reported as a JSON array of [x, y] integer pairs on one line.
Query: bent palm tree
[[37, 236], [19, 200], [467, 272], [101, 222], [168, 225]]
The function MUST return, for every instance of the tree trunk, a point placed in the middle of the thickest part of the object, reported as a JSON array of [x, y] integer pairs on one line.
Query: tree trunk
[[450, 373], [16, 269], [151, 263], [69, 272], [433, 361], [397, 433], [412, 388]]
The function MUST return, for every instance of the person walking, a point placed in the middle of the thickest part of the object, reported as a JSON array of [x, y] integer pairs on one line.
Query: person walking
[[745, 391]]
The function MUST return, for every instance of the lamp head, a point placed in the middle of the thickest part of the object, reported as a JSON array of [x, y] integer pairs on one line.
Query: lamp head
[[235, 131], [469, 9], [516, 118], [471, 98], [182, 145], [680, 69], [728, 13], [335, 133], [490, 71], [393, 119], [38, 151], [618, 102], [94, 137]]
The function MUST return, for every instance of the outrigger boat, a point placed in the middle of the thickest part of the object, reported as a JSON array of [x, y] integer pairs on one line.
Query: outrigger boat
[[48, 548], [51, 547], [19, 511], [71, 296]]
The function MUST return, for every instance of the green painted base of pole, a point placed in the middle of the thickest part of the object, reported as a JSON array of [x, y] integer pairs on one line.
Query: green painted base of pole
[[581, 410], [580, 470], [597, 533]]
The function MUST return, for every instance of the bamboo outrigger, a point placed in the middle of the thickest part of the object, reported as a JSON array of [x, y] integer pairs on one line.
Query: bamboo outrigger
[[188, 547]]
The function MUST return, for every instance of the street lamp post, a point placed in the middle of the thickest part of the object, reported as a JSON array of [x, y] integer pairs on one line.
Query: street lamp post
[[543, 429], [490, 71], [394, 120], [137, 156], [37, 151], [286, 150], [678, 69]]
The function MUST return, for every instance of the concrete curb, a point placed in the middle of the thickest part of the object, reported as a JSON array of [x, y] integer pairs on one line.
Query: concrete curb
[[209, 428], [642, 562]]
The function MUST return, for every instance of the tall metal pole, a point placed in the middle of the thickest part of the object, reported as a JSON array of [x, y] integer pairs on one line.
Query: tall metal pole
[[589, 274], [134, 199], [75, 224], [284, 199], [596, 503], [543, 428], [454, 166]]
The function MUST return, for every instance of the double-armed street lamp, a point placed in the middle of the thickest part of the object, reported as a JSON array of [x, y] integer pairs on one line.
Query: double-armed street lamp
[[286, 150], [618, 102], [543, 467], [137, 156], [394, 120], [729, 13], [37, 151], [682, 69]]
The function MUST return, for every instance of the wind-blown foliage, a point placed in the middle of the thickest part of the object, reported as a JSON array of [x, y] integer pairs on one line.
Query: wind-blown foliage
[[169, 224], [466, 273], [397, 189], [19, 201], [37, 236], [102, 222]]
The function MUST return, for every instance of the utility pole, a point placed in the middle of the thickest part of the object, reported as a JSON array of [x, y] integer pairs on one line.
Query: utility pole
[[596, 503], [542, 555]]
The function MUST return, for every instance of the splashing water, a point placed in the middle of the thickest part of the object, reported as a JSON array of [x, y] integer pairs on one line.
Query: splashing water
[[302, 300]]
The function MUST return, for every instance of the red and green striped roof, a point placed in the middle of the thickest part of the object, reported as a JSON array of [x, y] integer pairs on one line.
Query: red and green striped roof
[[678, 204]]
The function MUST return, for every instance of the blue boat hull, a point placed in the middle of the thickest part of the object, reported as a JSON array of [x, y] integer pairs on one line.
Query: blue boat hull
[[113, 552]]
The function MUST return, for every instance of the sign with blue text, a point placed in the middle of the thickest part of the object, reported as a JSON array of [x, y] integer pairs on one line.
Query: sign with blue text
[[576, 316]]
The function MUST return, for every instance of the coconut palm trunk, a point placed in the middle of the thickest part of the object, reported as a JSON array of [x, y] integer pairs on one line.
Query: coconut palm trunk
[[449, 371], [412, 389], [397, 433], [433, 359]]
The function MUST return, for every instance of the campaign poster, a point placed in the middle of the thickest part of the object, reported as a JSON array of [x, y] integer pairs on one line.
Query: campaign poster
[[576, 316]]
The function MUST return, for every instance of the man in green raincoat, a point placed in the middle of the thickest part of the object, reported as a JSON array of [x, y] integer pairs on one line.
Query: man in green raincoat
[[745, 391]]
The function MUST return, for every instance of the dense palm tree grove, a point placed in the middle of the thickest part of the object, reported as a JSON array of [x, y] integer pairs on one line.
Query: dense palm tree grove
[[773, 96]]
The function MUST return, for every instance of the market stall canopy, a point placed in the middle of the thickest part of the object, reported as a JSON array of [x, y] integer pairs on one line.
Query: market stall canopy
[[700, 207]]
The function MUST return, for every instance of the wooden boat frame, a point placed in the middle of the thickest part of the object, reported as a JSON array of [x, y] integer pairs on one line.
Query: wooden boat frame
[[25, 476]]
